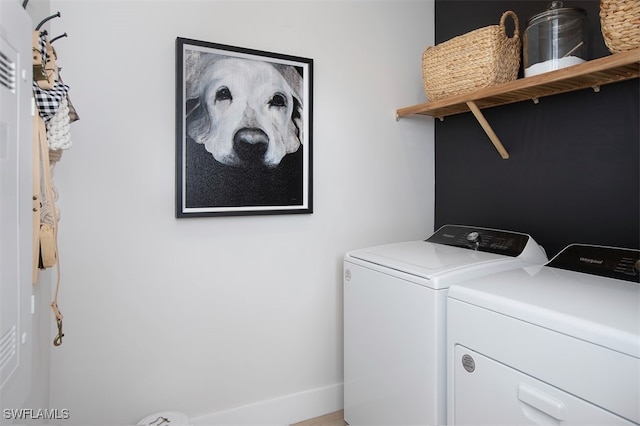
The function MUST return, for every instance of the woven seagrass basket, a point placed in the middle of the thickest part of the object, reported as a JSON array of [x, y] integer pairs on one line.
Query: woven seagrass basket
[[477, 59], [620, 22]]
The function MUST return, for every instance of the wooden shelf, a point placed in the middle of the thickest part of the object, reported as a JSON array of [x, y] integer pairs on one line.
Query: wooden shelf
[[591, 74]]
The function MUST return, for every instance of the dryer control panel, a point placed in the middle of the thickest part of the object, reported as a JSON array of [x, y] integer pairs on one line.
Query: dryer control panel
[[611, 262], [506, 243]]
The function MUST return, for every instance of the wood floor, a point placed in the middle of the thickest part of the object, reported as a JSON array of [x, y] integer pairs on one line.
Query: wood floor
[[333, 419]]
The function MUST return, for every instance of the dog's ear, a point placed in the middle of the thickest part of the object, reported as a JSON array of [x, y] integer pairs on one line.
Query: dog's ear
[[198, 122], [296, 82], [296, 117], [292, 77], [191, 72], [196, 64]]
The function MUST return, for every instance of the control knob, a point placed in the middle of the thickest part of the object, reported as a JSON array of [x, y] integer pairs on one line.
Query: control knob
[[474, 239]]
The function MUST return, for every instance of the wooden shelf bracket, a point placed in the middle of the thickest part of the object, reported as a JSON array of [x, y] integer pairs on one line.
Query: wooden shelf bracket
[[487, 129]]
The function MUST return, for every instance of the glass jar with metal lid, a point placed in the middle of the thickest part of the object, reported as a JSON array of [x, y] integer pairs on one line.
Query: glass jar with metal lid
[[555, 39]]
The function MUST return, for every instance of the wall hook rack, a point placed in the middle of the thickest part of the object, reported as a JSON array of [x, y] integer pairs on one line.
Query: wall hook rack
[[55, 15], [58, 37]]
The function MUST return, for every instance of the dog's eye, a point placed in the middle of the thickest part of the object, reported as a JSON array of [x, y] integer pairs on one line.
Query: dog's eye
[[278, 100], [223, 94]]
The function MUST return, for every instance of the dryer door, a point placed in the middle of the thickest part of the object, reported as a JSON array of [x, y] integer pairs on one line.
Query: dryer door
[[514, 397]]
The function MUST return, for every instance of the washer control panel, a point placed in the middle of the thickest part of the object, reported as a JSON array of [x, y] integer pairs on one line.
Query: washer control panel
[[611, 262], [489, 240]]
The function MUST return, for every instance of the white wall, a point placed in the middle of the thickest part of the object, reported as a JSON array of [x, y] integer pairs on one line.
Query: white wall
[[208, 315]]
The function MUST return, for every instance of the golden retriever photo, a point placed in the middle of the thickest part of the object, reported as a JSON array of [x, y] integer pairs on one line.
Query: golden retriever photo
[[243, 142]]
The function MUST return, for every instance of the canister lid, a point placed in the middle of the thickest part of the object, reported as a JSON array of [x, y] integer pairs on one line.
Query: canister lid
[[554, 11]]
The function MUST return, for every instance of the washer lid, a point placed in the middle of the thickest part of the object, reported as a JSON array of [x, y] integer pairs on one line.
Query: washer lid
[[433, 265], [600, 310], [456, 253], [422, 258]]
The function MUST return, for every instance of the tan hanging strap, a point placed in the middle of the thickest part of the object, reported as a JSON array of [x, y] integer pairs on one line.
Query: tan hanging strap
[[36, 198], [53, 241]]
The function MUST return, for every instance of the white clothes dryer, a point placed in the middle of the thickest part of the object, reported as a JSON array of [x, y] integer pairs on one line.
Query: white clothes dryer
[[548, 345], [394, 318]]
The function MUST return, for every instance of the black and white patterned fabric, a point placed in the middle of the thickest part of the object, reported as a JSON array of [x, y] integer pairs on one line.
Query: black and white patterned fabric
[[42, 44], [48, 101]]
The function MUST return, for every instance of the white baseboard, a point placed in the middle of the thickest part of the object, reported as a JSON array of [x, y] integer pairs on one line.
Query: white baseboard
[[281, 411]]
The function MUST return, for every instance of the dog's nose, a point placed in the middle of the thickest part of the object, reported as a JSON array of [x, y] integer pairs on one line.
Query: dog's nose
[[250, 144]]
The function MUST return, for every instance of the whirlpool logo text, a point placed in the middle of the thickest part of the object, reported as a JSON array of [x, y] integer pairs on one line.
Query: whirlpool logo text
[[593, 261]]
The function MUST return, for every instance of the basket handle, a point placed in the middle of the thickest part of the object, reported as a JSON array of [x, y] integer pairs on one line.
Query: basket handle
[[516, 31]]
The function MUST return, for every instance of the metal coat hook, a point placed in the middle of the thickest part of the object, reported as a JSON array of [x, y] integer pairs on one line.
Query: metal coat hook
[[56, 38], [56, 15]]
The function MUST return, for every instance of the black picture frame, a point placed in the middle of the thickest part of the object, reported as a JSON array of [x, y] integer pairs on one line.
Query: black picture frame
[[243, 131]]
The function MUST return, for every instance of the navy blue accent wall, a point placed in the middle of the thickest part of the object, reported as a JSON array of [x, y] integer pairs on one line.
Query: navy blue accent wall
[[574, 169]]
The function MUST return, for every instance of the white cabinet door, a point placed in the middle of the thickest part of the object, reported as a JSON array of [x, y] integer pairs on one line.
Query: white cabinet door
[[15, 205]]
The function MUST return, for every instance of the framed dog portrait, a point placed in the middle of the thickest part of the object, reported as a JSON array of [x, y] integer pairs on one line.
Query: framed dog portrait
[[243, 131]]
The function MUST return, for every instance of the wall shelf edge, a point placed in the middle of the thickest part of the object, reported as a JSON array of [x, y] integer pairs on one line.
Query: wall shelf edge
[[592, 74]]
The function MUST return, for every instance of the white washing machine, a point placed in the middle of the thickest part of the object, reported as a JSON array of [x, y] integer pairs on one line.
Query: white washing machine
[[548, 345], [394, 318]]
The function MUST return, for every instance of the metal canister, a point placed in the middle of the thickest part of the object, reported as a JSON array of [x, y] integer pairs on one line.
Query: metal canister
[[554, 39]]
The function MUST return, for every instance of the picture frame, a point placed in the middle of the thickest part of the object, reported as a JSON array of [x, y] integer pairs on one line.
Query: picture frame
[[244, 121]]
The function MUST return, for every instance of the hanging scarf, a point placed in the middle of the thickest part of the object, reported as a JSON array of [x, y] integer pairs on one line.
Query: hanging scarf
[[48, 100]]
